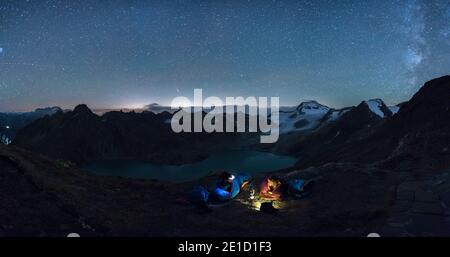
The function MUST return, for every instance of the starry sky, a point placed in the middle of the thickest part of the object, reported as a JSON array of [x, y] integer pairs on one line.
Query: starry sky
[[114, 53]]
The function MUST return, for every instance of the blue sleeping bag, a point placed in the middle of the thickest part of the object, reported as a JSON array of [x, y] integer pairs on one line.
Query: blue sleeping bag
[[238, 181], [296, 184], [198, 195], [201, 195]]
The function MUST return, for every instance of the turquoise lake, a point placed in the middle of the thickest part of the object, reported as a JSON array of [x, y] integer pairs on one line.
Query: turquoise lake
[[250, 162]]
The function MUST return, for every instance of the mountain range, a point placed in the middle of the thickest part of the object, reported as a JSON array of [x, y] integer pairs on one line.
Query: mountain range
[[415, 136], [11, 123], [370, 131], [310, 131], [82, 136]]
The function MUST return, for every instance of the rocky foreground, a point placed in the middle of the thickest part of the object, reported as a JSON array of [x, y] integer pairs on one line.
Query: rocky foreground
[[40, 197]]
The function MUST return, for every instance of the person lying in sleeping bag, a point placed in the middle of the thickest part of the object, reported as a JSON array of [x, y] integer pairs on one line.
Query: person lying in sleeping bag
[[276, 188], [229, 185]]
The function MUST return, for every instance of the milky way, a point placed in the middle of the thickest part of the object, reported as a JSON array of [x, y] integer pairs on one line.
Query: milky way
[[131, 53], [425, 26]]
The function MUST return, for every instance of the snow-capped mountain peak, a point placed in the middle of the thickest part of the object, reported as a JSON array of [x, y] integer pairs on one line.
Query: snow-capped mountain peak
[[48, 110], [312, 106], [311, 115], [306, 116], [157, 108], [378, 107], [394, 109]]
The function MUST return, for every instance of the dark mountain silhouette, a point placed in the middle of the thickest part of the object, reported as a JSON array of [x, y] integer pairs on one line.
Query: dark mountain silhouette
[[156, 108], [82, 136], [311, 116], [418, 136], [11, 123], [47, 111], [336, 128], [19, 120], [367, 133]]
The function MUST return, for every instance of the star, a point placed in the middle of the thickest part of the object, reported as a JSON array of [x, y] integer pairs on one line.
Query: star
[[102, 54]]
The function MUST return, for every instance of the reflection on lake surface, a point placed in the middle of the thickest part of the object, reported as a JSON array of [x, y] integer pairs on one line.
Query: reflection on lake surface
[[250, 162]]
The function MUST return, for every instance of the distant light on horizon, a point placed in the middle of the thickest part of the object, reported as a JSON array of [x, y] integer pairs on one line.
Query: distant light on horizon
[[133, 106]]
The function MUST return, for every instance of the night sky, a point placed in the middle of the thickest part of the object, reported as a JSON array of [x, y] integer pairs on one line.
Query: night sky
[[131, 53]]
